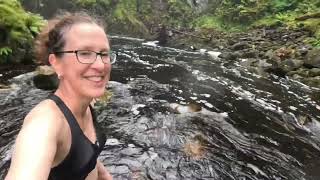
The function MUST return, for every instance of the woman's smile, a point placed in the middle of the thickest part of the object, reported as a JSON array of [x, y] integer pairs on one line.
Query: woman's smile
[[95, 78]]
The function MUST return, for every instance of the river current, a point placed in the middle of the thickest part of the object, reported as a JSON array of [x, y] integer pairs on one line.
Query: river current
[[177, 114]]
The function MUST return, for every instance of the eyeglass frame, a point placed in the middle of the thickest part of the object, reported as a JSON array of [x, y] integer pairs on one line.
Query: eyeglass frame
[[97, 53]]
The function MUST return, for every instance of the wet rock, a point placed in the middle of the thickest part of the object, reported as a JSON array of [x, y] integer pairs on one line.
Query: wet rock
[[249, 62], [214, 54], [303, 120], [2, 86], [46, 78], [313, 58], [228, 56], [180, 109], [119, 169]]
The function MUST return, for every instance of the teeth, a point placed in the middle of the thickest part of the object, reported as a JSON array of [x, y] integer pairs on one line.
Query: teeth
[[95, 78]]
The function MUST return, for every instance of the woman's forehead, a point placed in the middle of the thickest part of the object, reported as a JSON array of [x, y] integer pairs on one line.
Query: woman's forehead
[[86, 34]]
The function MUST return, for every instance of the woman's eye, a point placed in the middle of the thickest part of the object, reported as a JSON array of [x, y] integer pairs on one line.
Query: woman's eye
[[104, 54], [85, 53]]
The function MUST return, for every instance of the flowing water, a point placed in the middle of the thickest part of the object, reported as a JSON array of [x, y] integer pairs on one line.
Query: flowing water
[[175, 114]]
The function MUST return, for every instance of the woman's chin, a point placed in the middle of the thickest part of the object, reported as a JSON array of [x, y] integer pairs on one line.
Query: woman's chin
[[96, 93]]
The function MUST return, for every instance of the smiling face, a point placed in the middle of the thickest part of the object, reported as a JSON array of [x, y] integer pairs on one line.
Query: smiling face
[[85, 80]]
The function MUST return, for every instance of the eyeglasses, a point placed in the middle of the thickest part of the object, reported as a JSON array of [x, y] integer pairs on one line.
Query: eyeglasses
[[89, 57]]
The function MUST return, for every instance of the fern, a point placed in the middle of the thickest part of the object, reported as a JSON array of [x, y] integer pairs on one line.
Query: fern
[[5, 51], [20, 25]]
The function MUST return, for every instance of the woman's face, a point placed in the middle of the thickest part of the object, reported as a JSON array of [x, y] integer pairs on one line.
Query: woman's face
[[88, 80]]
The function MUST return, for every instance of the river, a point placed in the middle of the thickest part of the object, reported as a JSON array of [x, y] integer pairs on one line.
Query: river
[[177, 114]]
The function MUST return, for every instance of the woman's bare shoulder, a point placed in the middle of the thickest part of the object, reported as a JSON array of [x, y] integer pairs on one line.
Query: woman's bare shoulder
[[45, 114]]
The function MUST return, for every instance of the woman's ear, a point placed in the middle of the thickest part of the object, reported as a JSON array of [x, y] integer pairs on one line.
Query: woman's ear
[[55, 63]]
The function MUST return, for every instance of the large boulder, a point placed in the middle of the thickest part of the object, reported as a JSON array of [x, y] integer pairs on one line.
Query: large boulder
[[291, 64], [313, 58], [46, 78]]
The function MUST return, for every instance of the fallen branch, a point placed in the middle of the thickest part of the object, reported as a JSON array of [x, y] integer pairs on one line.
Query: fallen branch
[[308, 16]]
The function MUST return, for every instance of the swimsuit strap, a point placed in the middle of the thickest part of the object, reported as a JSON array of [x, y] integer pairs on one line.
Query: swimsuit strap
[[74, 126]]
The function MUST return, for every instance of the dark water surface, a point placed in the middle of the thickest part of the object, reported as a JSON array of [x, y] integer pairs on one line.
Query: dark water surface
[[249, 126]]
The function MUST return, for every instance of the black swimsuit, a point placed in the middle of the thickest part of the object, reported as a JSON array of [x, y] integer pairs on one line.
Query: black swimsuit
[[83, 154]]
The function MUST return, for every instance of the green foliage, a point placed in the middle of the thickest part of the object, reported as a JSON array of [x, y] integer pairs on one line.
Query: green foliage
[[314, 26], [283, 5], [316, 43], [20, 28], [5, 52], [242, 11], [207, 22], [182, 12], [126, 14], [84, 3]]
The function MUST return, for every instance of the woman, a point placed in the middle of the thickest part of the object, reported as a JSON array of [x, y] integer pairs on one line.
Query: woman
[[59, 138]]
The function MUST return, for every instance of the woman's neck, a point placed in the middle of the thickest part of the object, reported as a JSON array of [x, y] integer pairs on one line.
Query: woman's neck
[[76, 103]]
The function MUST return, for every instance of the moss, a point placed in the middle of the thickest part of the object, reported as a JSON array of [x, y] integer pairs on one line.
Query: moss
[[313, 25]]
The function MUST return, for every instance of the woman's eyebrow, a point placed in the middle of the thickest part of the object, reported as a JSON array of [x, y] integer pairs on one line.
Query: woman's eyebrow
[[92, 48], [105, 49]]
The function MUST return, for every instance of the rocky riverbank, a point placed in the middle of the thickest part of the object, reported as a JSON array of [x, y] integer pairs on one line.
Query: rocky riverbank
[[265, 51], [9, 71]]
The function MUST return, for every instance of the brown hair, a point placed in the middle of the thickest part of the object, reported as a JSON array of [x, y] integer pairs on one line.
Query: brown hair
[[51, 38]]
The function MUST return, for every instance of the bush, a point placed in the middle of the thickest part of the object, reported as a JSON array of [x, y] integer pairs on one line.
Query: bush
[[18, 29]]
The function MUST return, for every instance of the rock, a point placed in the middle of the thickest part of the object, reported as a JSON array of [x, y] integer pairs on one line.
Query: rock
[[291, 64], [214, 54], [277, 71], [312, 81], [228, 56], [45, 70], [240, 46], [46, 82], [303, 120], [2, 86], [303, 50], [269, 54], [314, 72], [249, 53], [274, 57], [248, 62], [180, 109], [46, 78], [301, 72], [313, 58], [297, 77]]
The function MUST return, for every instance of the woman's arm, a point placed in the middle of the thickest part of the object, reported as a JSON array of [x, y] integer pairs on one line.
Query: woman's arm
[[103, 174], [35, 148]]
